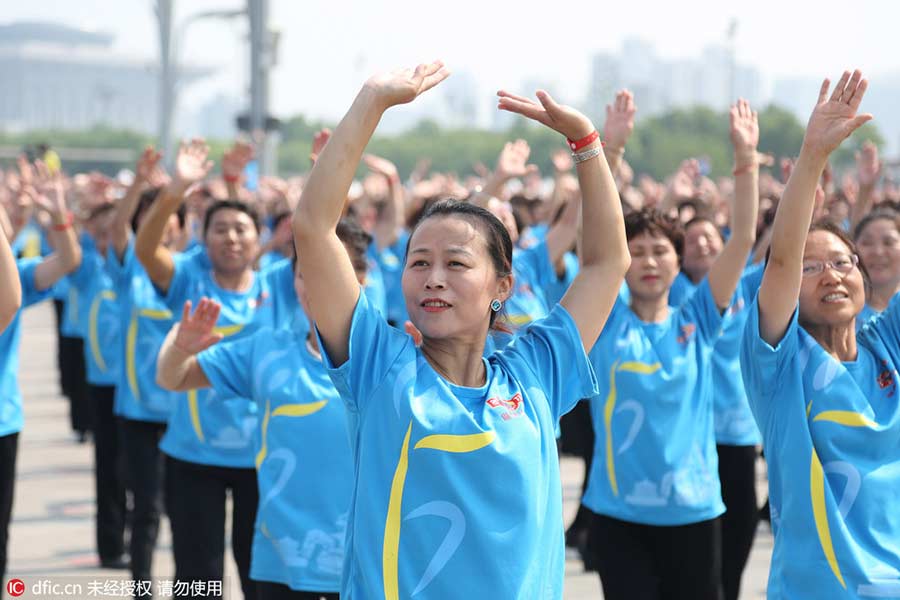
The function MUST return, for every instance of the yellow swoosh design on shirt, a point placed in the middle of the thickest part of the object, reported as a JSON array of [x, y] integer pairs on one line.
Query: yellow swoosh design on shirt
[[845, 417], [820, 515], [131, 345], [457, 443], [391, 550], [285, 410], [93, 334], [195, 414], [193, 405], [608, 408], [228, 330]]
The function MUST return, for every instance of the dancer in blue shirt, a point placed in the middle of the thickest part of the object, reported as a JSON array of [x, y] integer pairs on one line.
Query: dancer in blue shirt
[[457, 490], [34, 279], [654, 485], [141, 407], [209, 441], [11, 298], [304, 465], [825, 396]]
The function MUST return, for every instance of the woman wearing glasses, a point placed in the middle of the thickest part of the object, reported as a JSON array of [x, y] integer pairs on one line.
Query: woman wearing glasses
[[825, 397]]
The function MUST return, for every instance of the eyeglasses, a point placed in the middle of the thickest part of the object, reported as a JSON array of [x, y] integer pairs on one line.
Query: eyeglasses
[[842, 264]]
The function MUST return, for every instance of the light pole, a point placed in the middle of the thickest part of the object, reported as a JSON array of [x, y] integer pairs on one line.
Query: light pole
[[170, 50], [263, 43]]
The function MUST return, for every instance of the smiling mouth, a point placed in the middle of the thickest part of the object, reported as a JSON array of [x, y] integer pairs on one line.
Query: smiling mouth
[[835, 297], [435, 305]]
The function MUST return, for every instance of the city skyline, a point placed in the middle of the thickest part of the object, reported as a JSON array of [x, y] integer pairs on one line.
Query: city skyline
[[476, 44]]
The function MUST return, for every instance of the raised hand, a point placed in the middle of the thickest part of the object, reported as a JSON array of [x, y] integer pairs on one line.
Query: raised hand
[[405, 85], [513, 160], [834, 118], [562, 161], [319, 140], [147, 165], [197, 332], [744, 129], [619, 120], [235, 160], [558, 117], [50, 195], [192, 163], [868, 166], [381, 166]]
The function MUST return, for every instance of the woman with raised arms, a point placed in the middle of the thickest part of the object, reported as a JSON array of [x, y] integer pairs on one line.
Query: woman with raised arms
[[824, 396], [457, 490]]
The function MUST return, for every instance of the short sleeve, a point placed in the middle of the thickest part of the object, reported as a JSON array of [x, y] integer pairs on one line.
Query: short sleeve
[[551, 352], [374, 346], [762, 366], [751, 281], [30, 293], [179, 288], [700, 308], [227, 365]]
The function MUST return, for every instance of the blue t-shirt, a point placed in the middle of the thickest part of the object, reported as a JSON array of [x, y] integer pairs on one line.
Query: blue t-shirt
[[304, 467], [146, 320], [655, 458], [734, 422], [865, 315], [374, 287], [98, 316], [556, 287], [211, 428], [390, 263], [457, 491], [532, 271], [286, 309], [831, 431], [10, 394]]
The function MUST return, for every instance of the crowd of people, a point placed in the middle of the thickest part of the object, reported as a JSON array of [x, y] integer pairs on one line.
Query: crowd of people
[[381, 376]]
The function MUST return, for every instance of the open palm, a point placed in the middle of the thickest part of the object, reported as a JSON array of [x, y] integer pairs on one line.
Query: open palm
[[744, 127], [197, 332], [834, 118], [559, 117], [404, 85], [619, 119], [192, 163]]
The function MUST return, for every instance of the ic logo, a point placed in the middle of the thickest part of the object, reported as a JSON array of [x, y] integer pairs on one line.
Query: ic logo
[[15, 587]]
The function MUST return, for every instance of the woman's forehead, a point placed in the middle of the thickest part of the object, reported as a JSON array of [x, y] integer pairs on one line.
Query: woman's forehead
[[821, 242], [442, 232], [229, 215]]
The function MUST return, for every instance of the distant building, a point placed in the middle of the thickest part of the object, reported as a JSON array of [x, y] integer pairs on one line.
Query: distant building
[[56, 76], [659, 84]]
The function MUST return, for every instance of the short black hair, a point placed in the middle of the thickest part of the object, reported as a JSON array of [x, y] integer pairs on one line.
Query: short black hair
[[655, 223], [146, 200], [237, 205]]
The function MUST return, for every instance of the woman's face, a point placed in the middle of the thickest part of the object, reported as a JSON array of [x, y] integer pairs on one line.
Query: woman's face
[[654, 265], [231, 241], [829, 298], [702, 244], [449, 279], [879, 249]]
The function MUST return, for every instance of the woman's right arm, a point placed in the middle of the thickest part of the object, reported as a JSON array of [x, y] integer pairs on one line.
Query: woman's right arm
[[833, 119], [177, 367], [121, 228], [11, 296], [191, 166], [331, 283]]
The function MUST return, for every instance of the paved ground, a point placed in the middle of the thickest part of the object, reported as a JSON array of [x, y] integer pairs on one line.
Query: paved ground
[[52, 533]]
